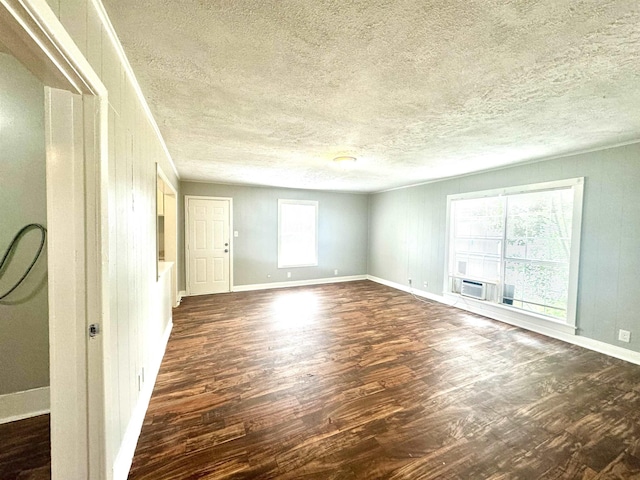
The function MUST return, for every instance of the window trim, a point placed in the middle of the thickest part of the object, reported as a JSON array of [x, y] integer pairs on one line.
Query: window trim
[[577, 185], [313, 203]]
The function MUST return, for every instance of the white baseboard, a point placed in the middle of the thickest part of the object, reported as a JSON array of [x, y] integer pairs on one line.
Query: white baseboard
[[124, 458], [615, 351], [406, 288], [181, 295], [26, 404], [297, 283]]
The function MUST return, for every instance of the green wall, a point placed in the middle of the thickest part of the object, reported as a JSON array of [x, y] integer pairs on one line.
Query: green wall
[[407, 233], [342, 232], [24, 315]]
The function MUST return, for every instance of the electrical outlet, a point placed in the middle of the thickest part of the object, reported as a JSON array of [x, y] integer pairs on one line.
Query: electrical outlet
[[335, 272], [410, 282], [624, 336], [425, 284], [288, 274]]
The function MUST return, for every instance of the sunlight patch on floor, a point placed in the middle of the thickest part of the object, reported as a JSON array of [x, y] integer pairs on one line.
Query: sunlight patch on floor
[[294, 310]]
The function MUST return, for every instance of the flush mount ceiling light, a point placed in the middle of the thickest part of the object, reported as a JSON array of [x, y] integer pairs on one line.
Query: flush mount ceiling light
[[344, 159]]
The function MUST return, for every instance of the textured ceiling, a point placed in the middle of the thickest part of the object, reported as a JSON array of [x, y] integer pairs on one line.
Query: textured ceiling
[[267, 92]]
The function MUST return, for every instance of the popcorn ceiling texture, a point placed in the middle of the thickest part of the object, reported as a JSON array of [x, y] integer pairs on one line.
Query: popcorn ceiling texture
[[267, 92]]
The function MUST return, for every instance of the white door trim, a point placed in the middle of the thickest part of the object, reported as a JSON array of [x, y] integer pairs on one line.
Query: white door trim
[[186, 236], [176, 268], [67, 284], [32, 33]]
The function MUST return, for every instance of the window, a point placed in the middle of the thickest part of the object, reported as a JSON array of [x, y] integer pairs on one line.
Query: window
[[523, 243], [297, 233]]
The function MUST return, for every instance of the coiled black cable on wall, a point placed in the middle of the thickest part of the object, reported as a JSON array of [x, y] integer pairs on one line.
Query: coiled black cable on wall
[[12, 247]]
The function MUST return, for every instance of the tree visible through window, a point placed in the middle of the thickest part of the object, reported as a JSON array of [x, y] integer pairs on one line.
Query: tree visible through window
[[297, 233], [537, 254], [519, 241]]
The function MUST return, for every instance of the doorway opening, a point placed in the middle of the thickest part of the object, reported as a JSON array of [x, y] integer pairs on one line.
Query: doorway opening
[[72, 102], [24, 310]]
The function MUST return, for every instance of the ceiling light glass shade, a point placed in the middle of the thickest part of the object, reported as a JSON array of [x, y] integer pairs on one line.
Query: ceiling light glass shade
[[344, 158]]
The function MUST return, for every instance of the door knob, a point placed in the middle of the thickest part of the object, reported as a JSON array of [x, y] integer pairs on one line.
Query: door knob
[[226, 250], [226, 244]]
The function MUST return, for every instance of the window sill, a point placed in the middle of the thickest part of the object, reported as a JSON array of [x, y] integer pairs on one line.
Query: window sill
[[474, 279], [510, 315]]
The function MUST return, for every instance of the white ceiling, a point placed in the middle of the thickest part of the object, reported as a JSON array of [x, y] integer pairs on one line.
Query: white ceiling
[[267, 92]]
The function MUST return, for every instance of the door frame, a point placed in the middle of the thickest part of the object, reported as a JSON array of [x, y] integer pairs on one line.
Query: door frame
[[187, 239], [33, 34]]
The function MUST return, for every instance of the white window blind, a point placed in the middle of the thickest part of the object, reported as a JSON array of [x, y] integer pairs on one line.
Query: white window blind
[[297, 233]]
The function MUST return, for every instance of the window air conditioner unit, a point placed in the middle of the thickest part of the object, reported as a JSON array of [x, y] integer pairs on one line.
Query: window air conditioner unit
[[473, 289]]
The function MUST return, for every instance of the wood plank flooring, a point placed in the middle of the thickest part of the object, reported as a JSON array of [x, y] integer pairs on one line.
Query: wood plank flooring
[[360, 381], [25, 449]]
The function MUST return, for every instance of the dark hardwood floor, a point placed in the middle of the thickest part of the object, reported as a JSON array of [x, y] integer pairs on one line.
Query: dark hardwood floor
[[361, 381], [25, 449]]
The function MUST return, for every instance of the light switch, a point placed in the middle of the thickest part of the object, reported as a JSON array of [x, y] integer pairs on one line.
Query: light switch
[[235, 233]]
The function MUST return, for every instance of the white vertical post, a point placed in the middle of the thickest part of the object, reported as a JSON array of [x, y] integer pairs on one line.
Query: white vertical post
[[67, 287]]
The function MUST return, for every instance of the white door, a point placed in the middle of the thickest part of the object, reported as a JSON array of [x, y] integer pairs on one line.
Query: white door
[[208, 245], [69, 287]]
